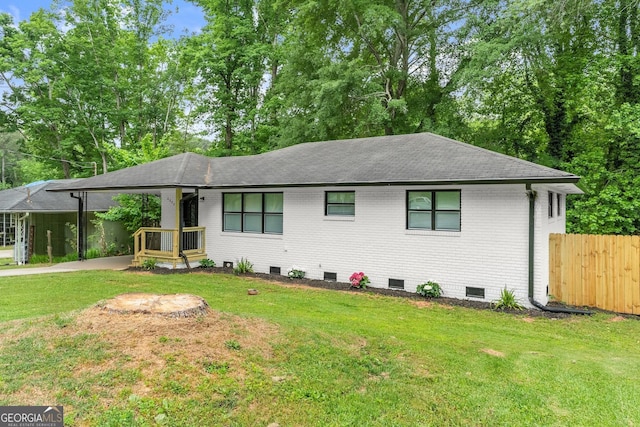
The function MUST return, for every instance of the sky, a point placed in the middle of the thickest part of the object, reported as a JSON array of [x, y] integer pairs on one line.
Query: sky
[[185, 17]]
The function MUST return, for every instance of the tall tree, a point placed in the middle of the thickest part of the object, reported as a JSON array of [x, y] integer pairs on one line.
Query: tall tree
[[543, 51], [35, 102], [107, 80], [230, 60], [390, 64]]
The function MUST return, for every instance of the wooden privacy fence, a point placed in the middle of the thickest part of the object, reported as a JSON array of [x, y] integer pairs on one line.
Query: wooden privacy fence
[[596, 271]]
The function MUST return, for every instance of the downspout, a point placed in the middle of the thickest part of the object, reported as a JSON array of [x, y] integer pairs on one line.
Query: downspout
[[531, 194]]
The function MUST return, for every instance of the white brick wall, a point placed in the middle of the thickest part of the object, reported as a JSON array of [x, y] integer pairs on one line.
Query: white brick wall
[[491, 250], [545, 225], [168, 209]]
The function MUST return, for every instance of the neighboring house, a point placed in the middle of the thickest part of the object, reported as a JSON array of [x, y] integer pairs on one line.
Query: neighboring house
[[29, 211], [404, 209]]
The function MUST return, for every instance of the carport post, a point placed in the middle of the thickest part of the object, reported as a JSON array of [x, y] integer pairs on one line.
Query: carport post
[[80, 226]]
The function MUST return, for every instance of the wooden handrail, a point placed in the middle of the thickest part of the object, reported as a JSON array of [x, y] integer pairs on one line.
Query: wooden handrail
[[167, 247]]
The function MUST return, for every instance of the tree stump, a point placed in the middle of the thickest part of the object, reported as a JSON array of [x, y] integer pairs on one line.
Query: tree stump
[[171, 305]]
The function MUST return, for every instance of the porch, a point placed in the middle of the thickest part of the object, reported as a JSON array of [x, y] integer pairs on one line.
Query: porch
[[168, 247]]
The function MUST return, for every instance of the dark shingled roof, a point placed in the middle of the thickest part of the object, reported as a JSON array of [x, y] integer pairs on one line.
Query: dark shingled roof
[[33, 198], [422, 158]]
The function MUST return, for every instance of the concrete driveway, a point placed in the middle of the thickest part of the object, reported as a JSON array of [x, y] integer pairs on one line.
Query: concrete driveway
[[109, 263]]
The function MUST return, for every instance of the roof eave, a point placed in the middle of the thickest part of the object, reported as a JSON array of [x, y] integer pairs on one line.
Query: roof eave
[[122, 189], [496, 181]]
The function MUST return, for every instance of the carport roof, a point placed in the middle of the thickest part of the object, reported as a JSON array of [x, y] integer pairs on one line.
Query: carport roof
[[33, 198]]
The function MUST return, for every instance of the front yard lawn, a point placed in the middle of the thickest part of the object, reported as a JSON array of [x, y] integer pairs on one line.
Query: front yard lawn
[[293, 355]]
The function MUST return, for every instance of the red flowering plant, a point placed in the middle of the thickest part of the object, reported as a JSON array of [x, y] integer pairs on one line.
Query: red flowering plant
[[359, 280]]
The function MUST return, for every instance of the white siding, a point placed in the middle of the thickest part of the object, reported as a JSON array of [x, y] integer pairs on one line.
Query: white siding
[[490, 251]]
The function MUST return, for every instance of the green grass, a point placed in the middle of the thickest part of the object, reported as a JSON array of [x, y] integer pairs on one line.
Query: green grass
[[10, 264], [336, 359]]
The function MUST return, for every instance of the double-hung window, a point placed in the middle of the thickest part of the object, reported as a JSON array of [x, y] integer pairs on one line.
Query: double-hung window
[[340, 203], [252, 212], [433, 210]]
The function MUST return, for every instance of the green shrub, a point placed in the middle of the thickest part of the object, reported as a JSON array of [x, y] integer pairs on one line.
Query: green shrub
[[296, 272], [207, 263], [150, 264], [67, 258], [429, 290], [243, 266], [39, 259], [507, 301], [94, 253]]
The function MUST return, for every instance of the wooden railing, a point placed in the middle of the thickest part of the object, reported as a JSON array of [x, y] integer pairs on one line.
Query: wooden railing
[[162, 244]]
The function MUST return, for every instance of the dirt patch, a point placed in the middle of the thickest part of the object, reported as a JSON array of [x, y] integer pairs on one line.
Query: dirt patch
[[187, 346], [145, 355], [616, 319], [492, 352], [145, 338], [422, 304]]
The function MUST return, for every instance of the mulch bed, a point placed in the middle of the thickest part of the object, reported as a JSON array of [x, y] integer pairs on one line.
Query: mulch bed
[[340, 286]]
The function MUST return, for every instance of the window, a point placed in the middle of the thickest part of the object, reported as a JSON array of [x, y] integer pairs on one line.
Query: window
[[552, 197], [340, 203], [559, 204], [474, 292], [274, 270], [396, 283], [252, 212], [433, 210], [330, 277]]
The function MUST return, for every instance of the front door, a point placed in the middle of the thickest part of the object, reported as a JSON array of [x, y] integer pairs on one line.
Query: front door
[[190, 210], [190, 219]]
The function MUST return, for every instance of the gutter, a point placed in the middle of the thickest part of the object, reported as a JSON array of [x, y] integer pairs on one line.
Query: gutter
[[531, 194]]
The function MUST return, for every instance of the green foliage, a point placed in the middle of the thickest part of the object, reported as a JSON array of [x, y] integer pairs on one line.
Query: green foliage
[[10, 155], [243, 266], [150, 264], [105, 247], [73, 240], [228, 57], [44, 259], [429, 290], [32, 170], [507, 301], [38, 259], [93, 253], [216, 367], [232, 345], [88, 76], [207, 263], [134, 210], [296, 272]]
